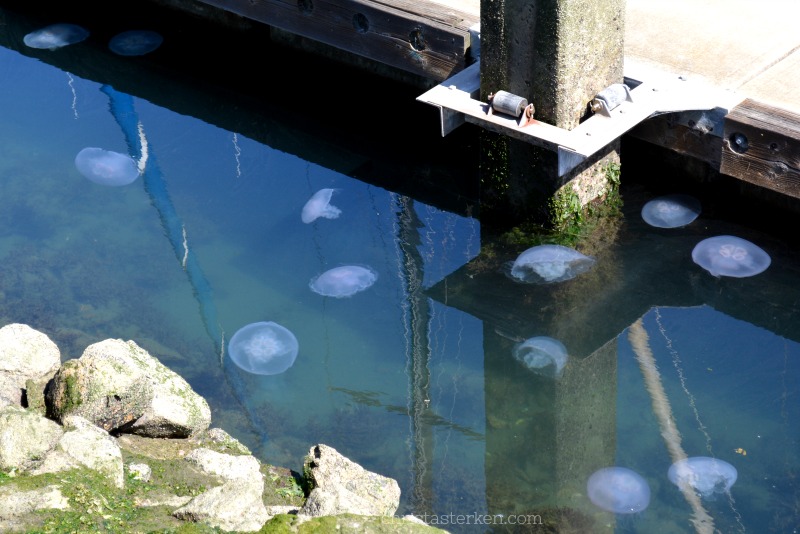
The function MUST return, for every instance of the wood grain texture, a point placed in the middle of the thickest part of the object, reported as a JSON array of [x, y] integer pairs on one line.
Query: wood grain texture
[[761, 145], [418, 37]]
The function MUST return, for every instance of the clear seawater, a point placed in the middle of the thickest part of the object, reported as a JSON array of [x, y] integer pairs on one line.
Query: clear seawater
[[414, 377]]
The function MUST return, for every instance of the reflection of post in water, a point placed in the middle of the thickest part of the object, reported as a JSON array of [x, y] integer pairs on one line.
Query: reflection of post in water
[[640, 341], [416, 316], [122, 109]]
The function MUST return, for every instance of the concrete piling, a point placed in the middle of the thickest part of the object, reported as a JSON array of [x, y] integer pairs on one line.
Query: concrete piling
[[558, 54]]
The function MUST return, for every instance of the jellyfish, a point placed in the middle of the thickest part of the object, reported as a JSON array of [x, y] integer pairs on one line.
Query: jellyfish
[[619, 490], [55, 36], [263, 348], [671, 211], [319, 205], [543, 355], [135, 42], [706, 475], [727, 255], [343, 281], [545, 264], [105, 167]]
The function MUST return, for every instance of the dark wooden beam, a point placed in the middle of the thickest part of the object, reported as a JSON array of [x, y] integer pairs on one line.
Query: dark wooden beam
[[417, 37], [761, 145]]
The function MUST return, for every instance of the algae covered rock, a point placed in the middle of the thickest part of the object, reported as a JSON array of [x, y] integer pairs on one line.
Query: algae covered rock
[[121, 388]]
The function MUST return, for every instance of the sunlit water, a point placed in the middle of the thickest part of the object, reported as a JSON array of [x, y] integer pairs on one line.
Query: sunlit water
[[414, 377]]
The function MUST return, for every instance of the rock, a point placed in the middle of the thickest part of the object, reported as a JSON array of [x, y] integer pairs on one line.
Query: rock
[[16, 504], [226, 466], [85, 445], [236, 505], [120, 387], [25, 354], [140, 472], [341, 486], [163, 427], [25, 438]]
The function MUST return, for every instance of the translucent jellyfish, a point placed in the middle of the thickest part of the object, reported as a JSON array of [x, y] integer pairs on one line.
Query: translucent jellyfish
[[105, 167], [706, 475], [55, 36], [264, 348], [545, 264], [727, 255], [543, 355], [619, 490], [671, 211], [343, 281], [135, 42], [319, 205]]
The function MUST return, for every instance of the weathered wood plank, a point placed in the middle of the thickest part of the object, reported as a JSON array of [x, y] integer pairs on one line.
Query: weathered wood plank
[[761, 145], [413, 36], [686, 133]]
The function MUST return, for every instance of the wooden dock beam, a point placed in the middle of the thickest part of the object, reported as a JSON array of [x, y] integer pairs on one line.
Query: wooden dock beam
[[558, 54], [416, 37]]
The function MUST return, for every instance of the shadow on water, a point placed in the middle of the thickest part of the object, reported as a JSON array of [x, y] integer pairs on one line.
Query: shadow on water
[[239, 79], [415, 378]]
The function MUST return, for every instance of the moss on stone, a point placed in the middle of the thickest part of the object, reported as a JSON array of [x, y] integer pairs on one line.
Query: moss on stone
[[345, 524]]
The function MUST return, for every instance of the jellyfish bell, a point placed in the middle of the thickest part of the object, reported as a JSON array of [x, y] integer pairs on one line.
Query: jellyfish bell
[[106, 167], [619, 490], [671, 211], [135, 42], [707, 476], [543, 355], [55, 36], [728, 255], [546, 264], [263, 348], [319, 205], [343, 281]]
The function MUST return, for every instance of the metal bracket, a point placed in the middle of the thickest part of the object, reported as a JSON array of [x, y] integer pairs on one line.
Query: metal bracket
[[645, 94]]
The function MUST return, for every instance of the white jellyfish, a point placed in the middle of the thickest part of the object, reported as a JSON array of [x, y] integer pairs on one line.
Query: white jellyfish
[[263, 348], [545, 264], [543, 355], [55, 36], [727, 255], [319, 205], [619, 490], [106, 167], [671, 211], [135, 42], [343, 281], [704, 474]]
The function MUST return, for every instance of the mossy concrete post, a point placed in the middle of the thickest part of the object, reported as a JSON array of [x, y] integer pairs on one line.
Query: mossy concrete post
[[558, 54]]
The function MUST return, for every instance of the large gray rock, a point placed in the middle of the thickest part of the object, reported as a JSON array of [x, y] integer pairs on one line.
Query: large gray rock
[[120, 387], [25, 354], [83, 444], [341, 486], [25, 438], [237, 504]]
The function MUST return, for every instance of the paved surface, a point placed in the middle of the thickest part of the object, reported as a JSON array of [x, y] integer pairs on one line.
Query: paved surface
[[750, 47]]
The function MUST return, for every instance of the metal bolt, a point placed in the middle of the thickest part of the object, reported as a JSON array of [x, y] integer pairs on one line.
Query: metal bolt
[[739, 143]]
